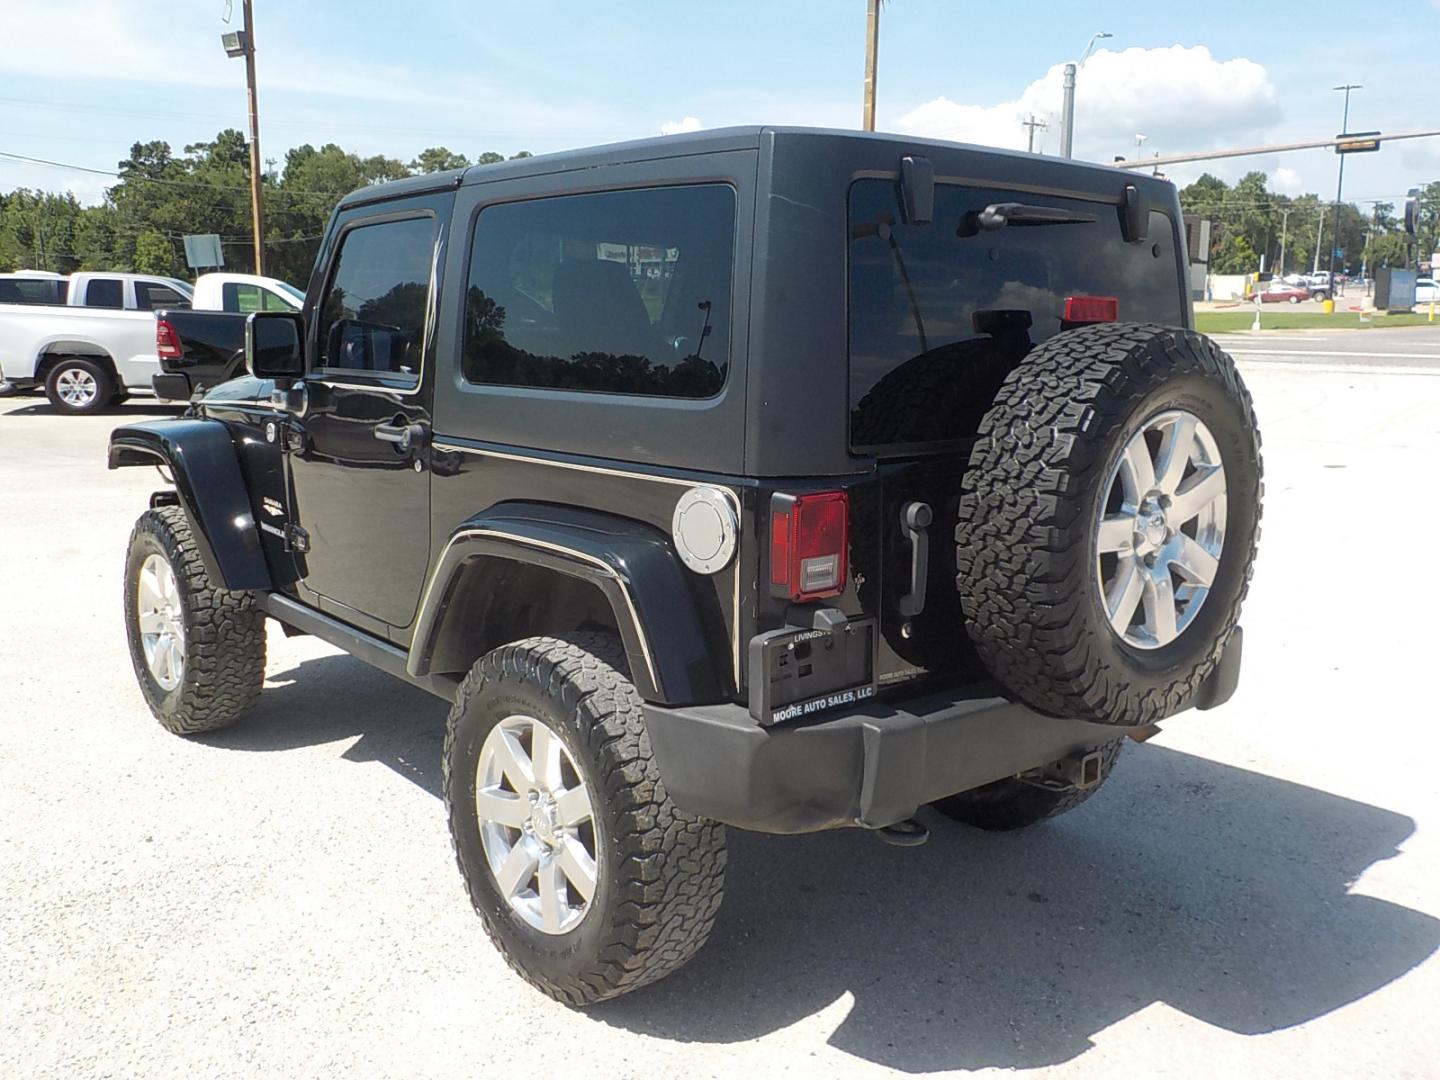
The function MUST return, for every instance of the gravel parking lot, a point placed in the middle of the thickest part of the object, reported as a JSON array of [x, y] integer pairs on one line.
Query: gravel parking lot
[[1257, 892]]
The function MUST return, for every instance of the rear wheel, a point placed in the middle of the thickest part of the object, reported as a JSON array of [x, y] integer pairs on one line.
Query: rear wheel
[[1108, 522], [79, 385], [585, 875], [1014, 803]]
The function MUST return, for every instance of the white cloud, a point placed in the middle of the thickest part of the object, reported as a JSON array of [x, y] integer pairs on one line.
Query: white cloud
[[679, 127], [1181, 98], [1286, 182]]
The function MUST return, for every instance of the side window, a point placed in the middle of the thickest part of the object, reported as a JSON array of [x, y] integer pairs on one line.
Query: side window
[[373, 315], [623, 292], [152, 295], [105, 292], [272, 301], [237, 297]]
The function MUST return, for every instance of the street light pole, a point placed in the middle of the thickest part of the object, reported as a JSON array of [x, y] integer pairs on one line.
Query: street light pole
[[872, 55], [1340, 182], [1067, 121]]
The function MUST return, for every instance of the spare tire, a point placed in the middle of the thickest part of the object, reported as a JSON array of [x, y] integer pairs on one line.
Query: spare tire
[[1108, 521]]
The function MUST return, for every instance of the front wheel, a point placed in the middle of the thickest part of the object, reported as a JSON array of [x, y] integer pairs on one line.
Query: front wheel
[[585, 875], [79, 385], [1294, 299], [198, 649]]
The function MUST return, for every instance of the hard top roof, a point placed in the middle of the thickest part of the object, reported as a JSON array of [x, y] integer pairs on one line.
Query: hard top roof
[[682, 145]]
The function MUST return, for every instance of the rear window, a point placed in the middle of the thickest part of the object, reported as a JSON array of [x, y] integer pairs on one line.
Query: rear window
[[930, 307], [32, 291], [623, 292]]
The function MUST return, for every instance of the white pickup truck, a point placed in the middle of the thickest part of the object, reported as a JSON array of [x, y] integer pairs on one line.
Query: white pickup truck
[[93, 349]]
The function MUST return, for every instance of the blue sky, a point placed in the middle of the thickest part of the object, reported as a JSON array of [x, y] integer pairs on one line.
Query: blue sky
[[80, 80]]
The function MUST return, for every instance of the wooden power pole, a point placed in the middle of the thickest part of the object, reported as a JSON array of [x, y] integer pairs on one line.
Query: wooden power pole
[[872, 50], [257, 214]]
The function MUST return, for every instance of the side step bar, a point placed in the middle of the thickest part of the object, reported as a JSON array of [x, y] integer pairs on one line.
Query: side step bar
[[375, 652]]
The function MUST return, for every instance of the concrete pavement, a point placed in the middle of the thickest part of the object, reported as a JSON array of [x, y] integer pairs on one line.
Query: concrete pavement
[[1255, 892]]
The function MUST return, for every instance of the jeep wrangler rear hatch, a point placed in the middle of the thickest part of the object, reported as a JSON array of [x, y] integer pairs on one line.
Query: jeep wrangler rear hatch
[[938, 314]]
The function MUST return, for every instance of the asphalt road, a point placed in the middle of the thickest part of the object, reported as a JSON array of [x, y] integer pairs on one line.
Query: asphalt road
[[1256, 892]]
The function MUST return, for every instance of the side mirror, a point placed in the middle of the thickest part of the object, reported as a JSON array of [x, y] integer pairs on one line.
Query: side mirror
[[274, 346]]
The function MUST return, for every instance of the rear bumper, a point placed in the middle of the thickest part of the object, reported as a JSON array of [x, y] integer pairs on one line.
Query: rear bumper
[[872, 766], [171, 387]]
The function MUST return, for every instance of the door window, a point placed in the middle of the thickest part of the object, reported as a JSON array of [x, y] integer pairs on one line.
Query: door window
[[623, 292], [245, 298], [105, 292], [372, 321], [151, 296]]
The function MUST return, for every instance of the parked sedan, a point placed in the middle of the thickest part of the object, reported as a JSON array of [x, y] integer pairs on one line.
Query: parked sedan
[[1426, 291], [1277, 291]]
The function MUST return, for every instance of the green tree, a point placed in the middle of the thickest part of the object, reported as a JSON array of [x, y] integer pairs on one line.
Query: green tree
[[489, 157], [438, 159]]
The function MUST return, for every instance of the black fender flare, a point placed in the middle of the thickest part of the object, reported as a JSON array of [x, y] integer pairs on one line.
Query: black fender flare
[[670, 638], [202, 460]]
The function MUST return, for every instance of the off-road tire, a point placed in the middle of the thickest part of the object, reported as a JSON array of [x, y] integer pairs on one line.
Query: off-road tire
[[1031, 500], [224, 656], [1014, 804], [104, 385], [660, 872]]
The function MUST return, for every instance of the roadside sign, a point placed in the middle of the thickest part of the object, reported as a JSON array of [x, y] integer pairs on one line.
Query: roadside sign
[[202, 250], [1358, 142]]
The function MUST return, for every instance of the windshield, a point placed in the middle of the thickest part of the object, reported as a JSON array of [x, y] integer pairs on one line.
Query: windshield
[[292, 292]]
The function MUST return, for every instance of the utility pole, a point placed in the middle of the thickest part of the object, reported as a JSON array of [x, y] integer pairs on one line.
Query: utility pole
[[1032, 124], [872, 53], [1284, 222], [255, 210], [1340, 182], [1319, 239], [236, 45]]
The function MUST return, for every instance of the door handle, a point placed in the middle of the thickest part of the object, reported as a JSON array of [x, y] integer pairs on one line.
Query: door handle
[[404, 436]]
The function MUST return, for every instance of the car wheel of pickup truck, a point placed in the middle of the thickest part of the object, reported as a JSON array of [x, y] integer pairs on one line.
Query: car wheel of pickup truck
[[1108, 522], [77, 385], [198, 650], [585, 875], [1015, 803]]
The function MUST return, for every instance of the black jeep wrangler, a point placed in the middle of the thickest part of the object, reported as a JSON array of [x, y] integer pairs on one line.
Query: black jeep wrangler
[[773, 478]]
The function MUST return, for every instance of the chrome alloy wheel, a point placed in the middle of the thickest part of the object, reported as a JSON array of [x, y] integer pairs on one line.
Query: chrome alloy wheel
[[77, 387], [536, 824], [162, 622], [1161, 529]]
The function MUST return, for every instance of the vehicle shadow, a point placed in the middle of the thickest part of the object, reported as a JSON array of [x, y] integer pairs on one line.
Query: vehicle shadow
[[1220, 892], [130, 410]]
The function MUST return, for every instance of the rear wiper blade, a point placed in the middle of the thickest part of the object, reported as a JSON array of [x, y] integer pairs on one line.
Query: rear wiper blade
[[999, 215]]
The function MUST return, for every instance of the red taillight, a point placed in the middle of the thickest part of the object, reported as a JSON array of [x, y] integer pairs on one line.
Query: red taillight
[[809, 538], [167, 342], [1091, 309]]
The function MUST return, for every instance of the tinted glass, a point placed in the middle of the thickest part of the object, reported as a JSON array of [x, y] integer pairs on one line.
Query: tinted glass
[[373, 317], [152, 295], [31, 291], [624, 292], [106, 293], [934, 311]]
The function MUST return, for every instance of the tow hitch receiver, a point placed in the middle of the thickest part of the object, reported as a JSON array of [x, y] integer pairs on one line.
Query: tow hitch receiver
[[1078, 772]]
